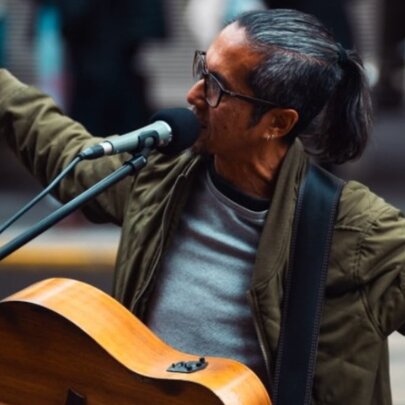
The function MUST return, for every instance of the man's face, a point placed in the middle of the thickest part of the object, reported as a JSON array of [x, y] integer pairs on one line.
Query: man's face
[[226, 129]]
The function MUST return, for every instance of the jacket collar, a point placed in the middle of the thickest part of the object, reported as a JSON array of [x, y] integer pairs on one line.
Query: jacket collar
[[275, 240]]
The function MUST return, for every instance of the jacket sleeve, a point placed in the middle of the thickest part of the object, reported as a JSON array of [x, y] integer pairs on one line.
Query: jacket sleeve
[[380, 266], [45, 141]]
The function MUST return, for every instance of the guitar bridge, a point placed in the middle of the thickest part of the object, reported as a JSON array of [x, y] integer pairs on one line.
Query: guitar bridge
[[188, 366]]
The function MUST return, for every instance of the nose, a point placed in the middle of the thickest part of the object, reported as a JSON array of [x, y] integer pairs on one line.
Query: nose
[[195, 95]]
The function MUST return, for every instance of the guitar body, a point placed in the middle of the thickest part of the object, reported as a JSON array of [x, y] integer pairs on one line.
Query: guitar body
[[66, 342]]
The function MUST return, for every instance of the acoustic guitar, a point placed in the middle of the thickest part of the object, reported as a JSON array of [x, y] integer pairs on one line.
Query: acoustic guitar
[[65, 342]]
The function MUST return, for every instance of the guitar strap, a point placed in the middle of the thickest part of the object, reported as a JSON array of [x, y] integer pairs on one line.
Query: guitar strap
[[314, 219]]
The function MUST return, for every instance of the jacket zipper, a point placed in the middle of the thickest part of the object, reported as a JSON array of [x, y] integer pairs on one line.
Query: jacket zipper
[[251, 297]]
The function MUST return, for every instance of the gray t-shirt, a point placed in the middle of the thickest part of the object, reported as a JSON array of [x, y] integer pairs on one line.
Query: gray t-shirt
[[200, 305]]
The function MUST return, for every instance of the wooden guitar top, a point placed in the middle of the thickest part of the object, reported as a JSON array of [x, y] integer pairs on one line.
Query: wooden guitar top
[[65, 342]]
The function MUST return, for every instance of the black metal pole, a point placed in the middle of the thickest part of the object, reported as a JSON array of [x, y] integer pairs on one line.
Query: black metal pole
[[133, 165]]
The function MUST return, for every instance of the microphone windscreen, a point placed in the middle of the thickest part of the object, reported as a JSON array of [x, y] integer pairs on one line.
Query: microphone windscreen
[[185, 129]]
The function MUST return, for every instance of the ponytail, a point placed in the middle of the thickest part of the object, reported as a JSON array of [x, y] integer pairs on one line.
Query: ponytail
[[346, 119], [304, 68]]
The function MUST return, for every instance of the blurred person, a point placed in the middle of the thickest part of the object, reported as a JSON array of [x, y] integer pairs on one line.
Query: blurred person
[[49, 55], [206, 234], [3, 15], [389, 91], [107, 87]]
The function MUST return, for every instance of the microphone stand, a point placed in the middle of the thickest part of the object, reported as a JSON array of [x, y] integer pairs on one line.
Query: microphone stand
[[129, 167]]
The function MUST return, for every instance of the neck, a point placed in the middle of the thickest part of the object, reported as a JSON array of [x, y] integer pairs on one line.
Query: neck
[[254, 177]]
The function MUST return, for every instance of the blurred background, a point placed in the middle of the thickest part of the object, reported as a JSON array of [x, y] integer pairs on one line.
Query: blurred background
[[110, 64]]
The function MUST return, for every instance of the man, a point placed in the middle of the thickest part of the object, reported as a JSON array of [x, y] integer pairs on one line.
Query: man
[[206, 236]]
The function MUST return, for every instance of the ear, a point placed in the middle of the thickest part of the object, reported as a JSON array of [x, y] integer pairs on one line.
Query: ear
[[280, 121]]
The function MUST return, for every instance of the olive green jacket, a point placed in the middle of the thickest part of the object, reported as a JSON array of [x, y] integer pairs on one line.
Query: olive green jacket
[[365, 291]]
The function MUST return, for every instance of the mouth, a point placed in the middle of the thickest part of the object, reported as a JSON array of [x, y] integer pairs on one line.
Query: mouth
[[203, 125]]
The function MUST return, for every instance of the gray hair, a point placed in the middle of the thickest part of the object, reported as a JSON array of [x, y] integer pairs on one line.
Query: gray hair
[[304, 68]]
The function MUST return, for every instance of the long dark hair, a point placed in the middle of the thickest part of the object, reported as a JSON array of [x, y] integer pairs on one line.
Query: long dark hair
[[304, 68]]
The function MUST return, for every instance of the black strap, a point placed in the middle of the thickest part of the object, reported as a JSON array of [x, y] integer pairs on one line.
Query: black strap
[[314, 220]]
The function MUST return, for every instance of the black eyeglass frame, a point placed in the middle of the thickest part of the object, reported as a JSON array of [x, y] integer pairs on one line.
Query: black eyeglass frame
[[200, 56]]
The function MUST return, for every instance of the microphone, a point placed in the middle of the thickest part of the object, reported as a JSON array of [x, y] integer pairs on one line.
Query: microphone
[[172, 130]]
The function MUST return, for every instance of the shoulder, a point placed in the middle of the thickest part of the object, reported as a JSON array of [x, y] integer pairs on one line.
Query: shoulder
[[369, 237], [360, 209]]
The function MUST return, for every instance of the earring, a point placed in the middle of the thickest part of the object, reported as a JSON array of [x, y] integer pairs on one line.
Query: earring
[[269, 137]]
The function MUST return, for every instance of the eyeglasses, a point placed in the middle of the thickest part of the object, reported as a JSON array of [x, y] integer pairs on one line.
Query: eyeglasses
[[213, 88]]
